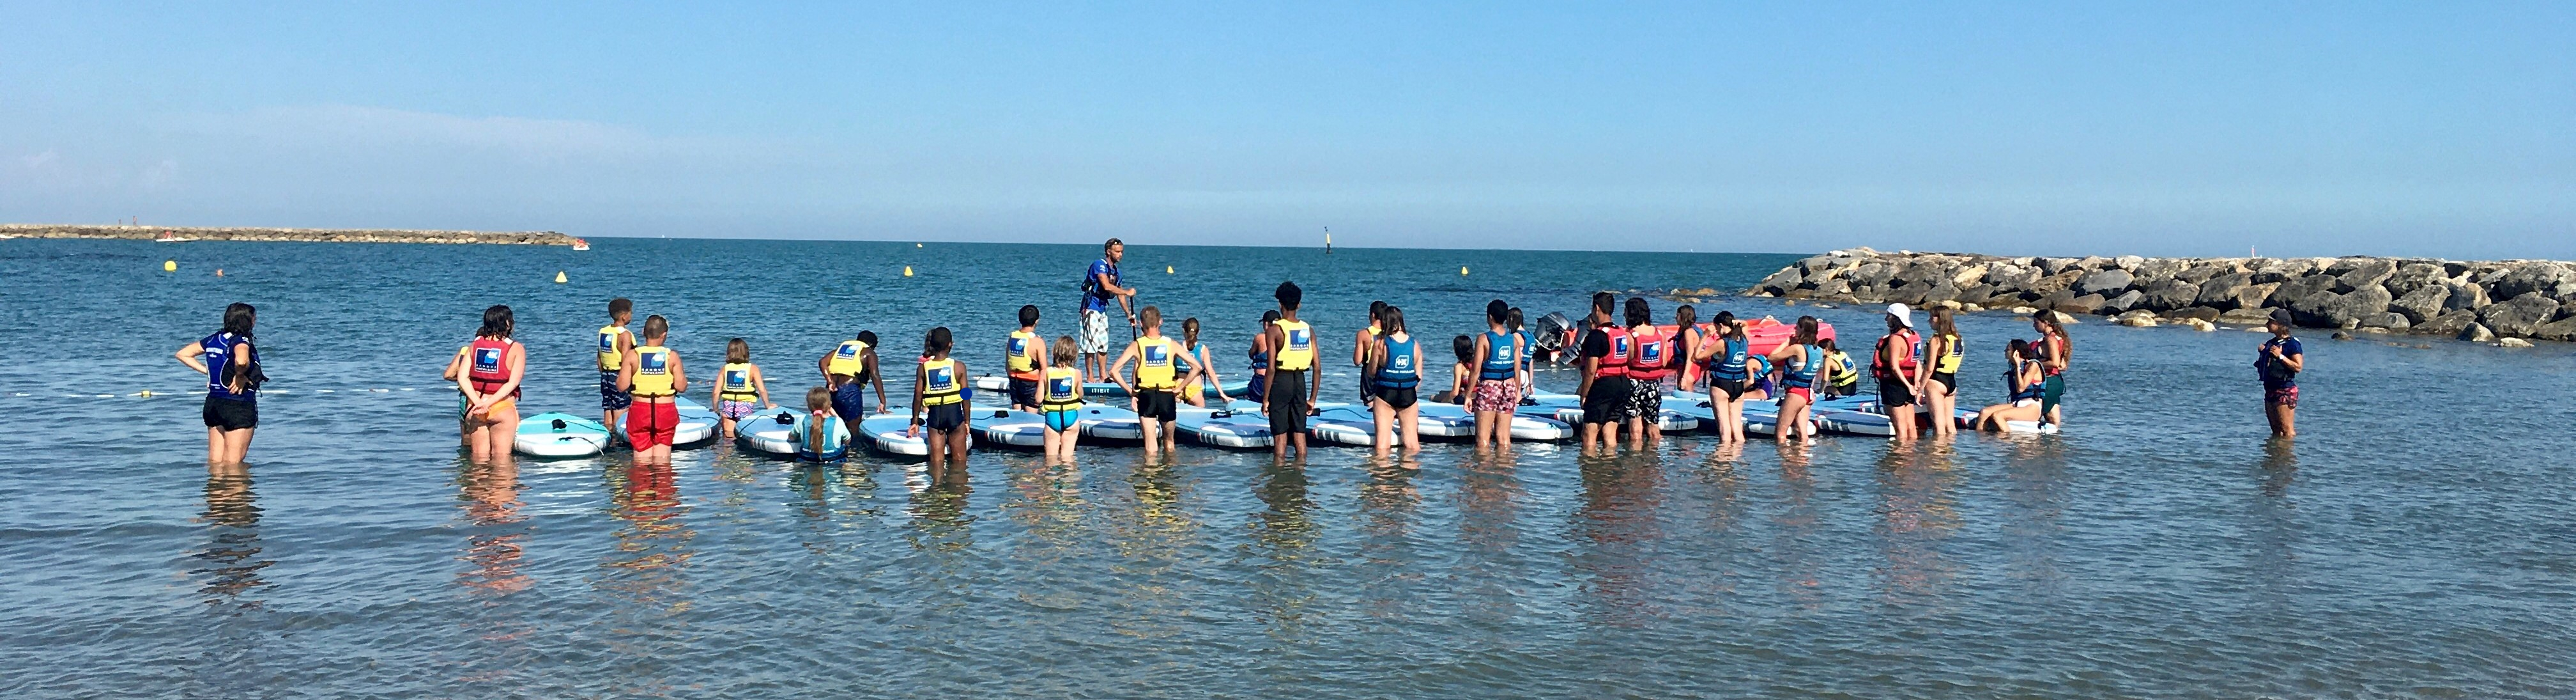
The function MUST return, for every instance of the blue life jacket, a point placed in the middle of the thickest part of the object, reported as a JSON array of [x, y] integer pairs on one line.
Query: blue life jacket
[[1729, 364], [1398, 372], [1500, 361]]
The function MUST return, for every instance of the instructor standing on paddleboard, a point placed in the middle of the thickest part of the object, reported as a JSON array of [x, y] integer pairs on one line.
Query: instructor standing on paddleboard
[[1100, 285]]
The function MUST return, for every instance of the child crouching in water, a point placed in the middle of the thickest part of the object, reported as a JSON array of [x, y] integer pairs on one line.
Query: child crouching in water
[[821, 436], [1060, 400]]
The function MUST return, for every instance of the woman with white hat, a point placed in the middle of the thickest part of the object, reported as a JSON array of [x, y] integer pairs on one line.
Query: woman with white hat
[[1894, 363]]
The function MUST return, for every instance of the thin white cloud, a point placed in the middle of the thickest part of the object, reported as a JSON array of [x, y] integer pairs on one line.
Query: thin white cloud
[[39, 160]]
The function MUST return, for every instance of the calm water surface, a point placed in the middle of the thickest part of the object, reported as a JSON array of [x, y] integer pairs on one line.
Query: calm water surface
[[2417, 540]]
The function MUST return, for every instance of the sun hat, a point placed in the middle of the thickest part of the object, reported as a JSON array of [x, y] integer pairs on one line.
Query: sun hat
[[1903, 315], [2283, 317]]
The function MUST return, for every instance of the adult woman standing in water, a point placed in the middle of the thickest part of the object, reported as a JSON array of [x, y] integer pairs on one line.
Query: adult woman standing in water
[[494, 364], [231, 366], [2054, 354], [1941, 394]]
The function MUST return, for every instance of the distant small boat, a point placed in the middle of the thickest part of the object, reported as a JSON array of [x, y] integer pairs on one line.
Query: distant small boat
[[168, 237], [579, 244]]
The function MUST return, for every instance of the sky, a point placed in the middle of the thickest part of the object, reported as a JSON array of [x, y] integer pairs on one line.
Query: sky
[[2158, 128]]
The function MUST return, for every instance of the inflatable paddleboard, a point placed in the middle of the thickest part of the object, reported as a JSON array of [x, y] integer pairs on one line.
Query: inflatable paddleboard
[[697, 423], [1001, 386], [1526, 427], [1240, 430], [1444, 420], [1002, 426], [772, 431], [559, 435], [1110, 423], [885, 433]]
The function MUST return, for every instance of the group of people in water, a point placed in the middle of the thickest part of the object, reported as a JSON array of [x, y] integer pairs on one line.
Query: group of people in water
[[1627, 363]]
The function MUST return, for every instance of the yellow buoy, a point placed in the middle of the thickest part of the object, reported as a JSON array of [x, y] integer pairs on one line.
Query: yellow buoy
[[1167, 269], [559, 277], [169, 266], [1462, 270], [907, 269], [916, 245]]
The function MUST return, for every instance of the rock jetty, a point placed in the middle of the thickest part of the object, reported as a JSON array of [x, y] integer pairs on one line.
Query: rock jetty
[[315, 235], [2481, 301]]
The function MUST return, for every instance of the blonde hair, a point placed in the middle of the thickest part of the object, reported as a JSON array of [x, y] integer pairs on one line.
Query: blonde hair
[[817, 399], [1062, 350]]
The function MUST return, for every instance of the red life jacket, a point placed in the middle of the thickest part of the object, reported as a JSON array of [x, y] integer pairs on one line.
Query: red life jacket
[[487, 364], [1906, 359], [1654, 355], [1615, 364]]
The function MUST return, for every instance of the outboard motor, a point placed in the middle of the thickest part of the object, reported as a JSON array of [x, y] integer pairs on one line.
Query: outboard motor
[[1551, 332]]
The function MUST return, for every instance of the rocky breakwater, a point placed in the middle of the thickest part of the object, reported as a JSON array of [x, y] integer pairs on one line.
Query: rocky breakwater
[[312, 235], [2479, 301]]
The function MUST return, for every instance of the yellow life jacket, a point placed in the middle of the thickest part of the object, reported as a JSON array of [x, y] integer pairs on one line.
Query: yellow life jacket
[[1949, 362], [1023, 349], [1298, 353], [653, 371], [939, 384], [611, 358], [849, 358], [733, 383], [1154, 362], [1061, 390]]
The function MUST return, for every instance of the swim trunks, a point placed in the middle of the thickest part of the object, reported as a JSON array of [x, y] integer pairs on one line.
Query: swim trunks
[[1497, 396]]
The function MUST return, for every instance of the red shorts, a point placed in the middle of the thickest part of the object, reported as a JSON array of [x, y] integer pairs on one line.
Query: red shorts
[[2283, 396], [651, 425], [1802, 392]]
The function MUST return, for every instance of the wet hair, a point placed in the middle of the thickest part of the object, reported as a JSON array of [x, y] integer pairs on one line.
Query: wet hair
[[817, 399], [497, 322], [1806, 333], [1639, 313], [655, 326], [1150, 316], [869, 337], [1268, 315], [1497, 312], [1465, 347], [936, 341], [1289, 295], [1941, 323], [621, 306], [1516, 318], [1391, 320], [1063, 351], [737, 350], [239, 317], [1112, 243], [1029, 314], [1603, 302], [1190, 330]]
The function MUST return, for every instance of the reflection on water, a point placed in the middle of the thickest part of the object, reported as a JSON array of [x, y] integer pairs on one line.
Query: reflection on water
[[230, 565], [1617, 521], [1490, 577], [1281, 545], [2035, 498], [1796, 527], [1387, 561], [1917, 515], [490, 495], [647, 576]]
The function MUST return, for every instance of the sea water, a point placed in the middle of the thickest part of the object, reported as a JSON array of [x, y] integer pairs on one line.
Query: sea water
[[2417, 539]]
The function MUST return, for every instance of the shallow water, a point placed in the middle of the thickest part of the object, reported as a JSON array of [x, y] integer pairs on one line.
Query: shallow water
[[2414, 541]]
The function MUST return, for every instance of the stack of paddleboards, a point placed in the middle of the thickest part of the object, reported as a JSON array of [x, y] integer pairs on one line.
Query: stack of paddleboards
[[1110, 390], [559, 435]]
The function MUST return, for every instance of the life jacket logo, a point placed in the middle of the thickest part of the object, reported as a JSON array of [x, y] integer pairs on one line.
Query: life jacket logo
[[1297, 339], [1619, 347], [487, 359], [1157, 354], [738, 379], [1651, 352], [651, 363], [607, 342], [942, 377], [1060, 388], [848, 352], [1019, 346]]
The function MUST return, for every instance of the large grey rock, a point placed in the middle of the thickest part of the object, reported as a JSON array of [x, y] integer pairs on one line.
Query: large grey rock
[[1833, 289], [2520, 316], [2125, 301], [1781, 282], [1871, 275], [2547, 278], [2220, 292], [1814, 263], [2326, 309], [2082, 304], [2465, 297], [2561, 329], [2051, 266], [2362, 274], [2254, 296], [2300, 288], [2449, 323], [2169, 294], [1919, 274], [2013, 277], [2106, 282], [2161, 269], [2477, 333], [2202, 313], [2413, 277], [2421, 304], [2197, 274], [2386, 319], [2128, 262]]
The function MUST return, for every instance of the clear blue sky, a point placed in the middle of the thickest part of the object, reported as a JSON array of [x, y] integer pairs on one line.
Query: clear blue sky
[[2420, 128]]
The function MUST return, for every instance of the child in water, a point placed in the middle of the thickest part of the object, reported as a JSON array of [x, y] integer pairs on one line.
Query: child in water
[[821, 436], [939, 404], [1060, 400], [1156, 380], [740, 390], [654, 377]]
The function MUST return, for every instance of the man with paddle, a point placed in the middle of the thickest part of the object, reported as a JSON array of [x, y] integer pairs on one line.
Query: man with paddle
[[1099, 286]]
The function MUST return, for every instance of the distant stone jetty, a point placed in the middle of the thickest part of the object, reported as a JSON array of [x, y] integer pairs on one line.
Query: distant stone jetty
[[2480, 301], [313, 235]]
